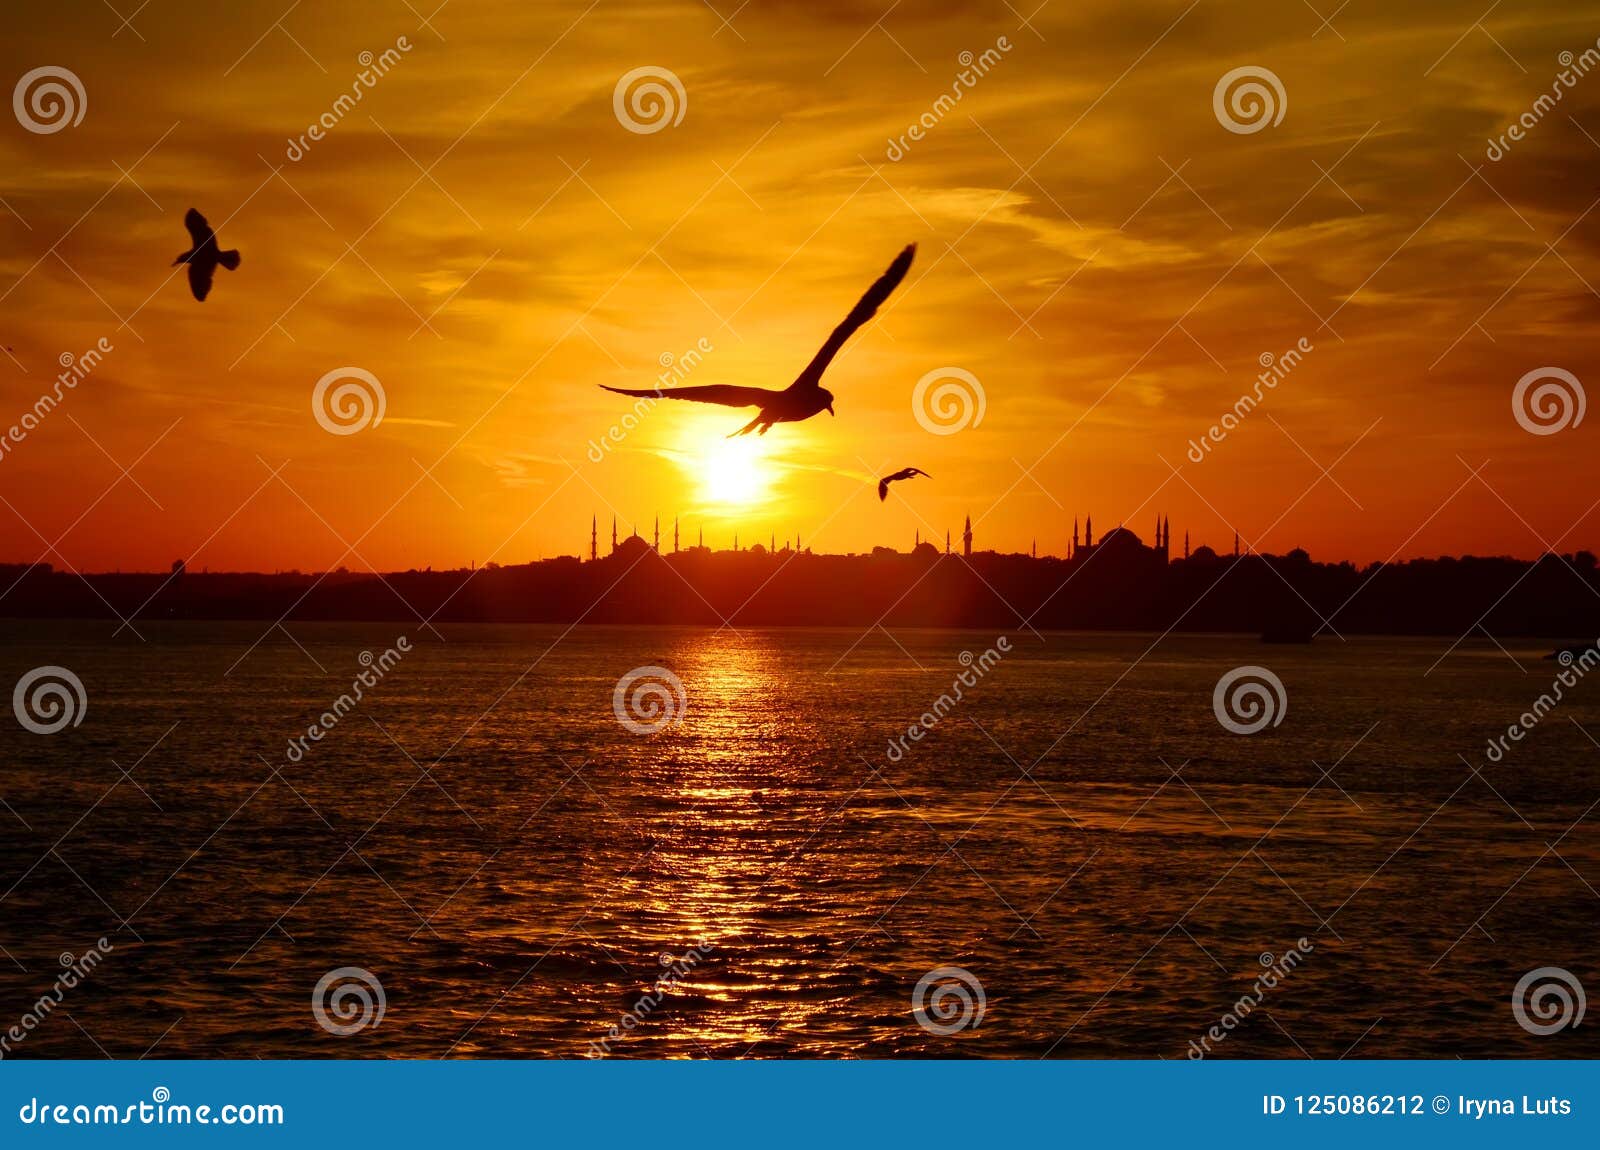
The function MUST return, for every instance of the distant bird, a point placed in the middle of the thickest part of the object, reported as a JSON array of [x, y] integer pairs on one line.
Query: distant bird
[[805, 396], [204, 257], [903, 473]]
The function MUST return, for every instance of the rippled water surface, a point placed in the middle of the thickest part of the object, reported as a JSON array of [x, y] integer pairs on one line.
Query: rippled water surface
[[510, 862]]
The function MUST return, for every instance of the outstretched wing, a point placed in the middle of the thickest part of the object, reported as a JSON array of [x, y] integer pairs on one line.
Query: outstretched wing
[[903, 473], [728, 395], [199, 230], [864, 310], [200, 273]]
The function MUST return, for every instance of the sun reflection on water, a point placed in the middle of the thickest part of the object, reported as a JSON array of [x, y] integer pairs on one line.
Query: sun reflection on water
[[726, 788]]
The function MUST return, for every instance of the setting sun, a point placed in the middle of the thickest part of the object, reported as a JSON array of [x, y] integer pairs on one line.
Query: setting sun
[[732, 473]]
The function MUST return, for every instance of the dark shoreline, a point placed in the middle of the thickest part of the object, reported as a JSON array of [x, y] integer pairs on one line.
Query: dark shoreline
[[1289, 598]]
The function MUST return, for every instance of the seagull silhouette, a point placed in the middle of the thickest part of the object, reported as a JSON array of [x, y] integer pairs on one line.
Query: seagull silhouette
[[805, 396], [903, 473], [204, 257]]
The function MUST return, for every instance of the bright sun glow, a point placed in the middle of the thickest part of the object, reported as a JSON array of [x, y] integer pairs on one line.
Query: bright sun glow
[[733, 472]]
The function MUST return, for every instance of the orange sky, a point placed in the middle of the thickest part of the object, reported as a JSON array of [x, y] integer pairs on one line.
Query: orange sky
[[1110, 310]]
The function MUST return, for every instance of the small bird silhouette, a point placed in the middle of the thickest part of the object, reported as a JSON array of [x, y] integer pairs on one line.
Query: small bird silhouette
[[805, 396], [903, 473], [204, 257]]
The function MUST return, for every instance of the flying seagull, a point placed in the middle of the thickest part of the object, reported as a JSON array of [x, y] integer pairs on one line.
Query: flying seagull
[[805, 396], [903, 473], [204, 257]]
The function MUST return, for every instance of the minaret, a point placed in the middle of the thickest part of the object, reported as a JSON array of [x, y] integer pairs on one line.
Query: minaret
[[657, 543], [918, 542], [966, 538], [1036, 549], [736, 541], [1074, 550], [674, 534], [594, 538], [773, 544], [1088, 530], [797, 540], [702, 537], [1236, 545], [613, 533], [947, 540]]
